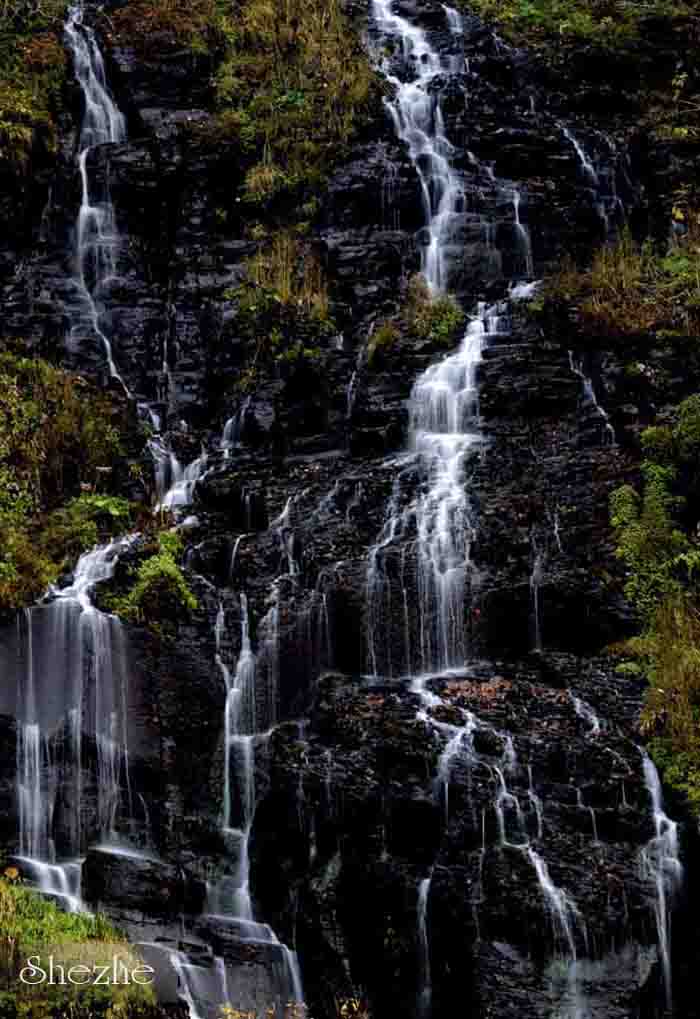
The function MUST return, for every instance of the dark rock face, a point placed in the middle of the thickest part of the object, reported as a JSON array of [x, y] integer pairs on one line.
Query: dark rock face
[[356, 803]]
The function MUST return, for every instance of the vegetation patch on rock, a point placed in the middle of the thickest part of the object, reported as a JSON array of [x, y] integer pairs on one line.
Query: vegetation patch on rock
[[59, 441], [31, 925], [32, 76]]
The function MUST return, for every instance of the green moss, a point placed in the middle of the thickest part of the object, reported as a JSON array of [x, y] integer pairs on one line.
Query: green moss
[[608, 24], [653, 48]]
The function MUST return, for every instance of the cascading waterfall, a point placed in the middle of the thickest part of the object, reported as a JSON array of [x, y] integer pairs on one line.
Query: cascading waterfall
[[74, 677], [229, 900], [97, 239], [430, 533], [418, 121]]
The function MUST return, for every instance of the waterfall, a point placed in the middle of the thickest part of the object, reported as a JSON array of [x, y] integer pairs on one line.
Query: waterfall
[[587, 168], [425, 995], [661, 866], [523, 235], [97, 238], [239, 754], [590, 397], [418, 120], [74, 679], [229, 900]]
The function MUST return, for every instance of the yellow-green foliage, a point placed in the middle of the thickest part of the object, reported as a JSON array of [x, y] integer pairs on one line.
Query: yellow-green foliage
[[381, 342], [663, 567], [649, 540], [292, 81], [632, 289], [293, 87], [159, 596], [606, 23], [283, 306], [31, 924], [32, 73], [157, 26], [433, 317], [56, 432]]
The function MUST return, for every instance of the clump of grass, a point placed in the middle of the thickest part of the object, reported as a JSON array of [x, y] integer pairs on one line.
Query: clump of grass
[[632, 288], [384, 338], [293, 88], [432, 317], [283, 305], [292, 84], [30, 924]]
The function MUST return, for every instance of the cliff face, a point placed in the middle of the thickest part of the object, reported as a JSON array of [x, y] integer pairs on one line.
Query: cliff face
[[485, 834]]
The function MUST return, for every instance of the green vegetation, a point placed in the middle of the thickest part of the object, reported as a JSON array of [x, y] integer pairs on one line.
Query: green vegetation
[[632, 289], [59, 438], [292, 84], [283, 305], [424, 317], [435, 318], [385, 336], [605, 23], [653, 46], [159, 596], [656, 542], [32, 75], [29, 924]]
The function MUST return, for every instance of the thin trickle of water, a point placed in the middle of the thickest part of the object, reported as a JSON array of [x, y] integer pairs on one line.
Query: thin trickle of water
[[536, 577], [661, 866], [586, 713], [523, 235], [587, 168], [589, 395], [426, 988]]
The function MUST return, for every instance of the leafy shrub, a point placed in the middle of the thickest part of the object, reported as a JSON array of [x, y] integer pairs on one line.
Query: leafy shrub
[[663, 566], [649, 540]]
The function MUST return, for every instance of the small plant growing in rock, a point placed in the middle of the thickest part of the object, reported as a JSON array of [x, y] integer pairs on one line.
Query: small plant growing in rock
[[381, 342], [435, 318]]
